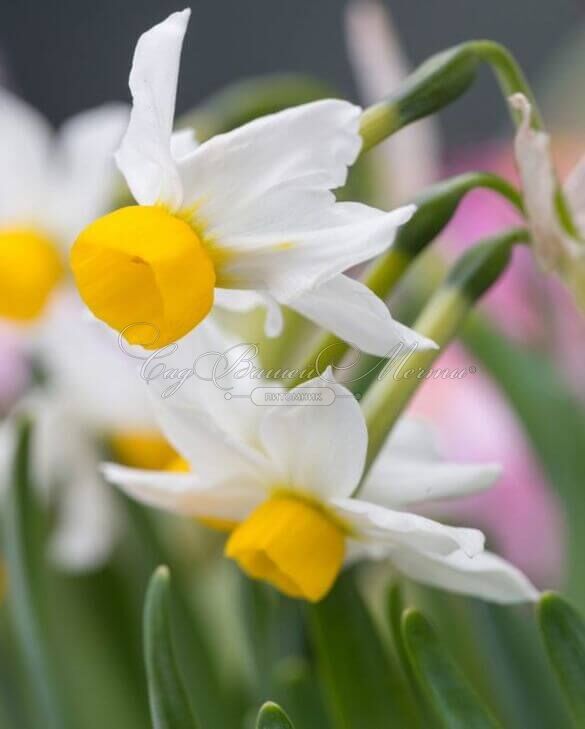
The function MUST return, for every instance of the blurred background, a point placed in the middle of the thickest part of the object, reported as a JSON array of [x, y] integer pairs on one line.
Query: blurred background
[[524, 407], [84, 48]]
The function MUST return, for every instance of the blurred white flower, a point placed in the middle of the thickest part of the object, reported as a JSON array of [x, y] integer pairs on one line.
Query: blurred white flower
[[247, 213], [557, 248], [282, 480], [52, 184]]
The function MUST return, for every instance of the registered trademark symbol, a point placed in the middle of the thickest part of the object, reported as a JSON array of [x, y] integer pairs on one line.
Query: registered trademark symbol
[[472, 370]]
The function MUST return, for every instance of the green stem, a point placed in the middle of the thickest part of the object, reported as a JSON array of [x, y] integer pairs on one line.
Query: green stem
[[438, 82], [510, 76], [440, 320], [435, 208]]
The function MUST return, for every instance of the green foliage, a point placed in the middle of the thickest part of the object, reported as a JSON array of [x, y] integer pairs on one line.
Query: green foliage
[[452, 699], [271, 716], [361, 683], [563, 630], [169, 705]]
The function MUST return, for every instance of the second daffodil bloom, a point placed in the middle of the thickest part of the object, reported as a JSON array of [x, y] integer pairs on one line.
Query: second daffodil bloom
[[247, 212], [558, 234], [51, 185], [282, 482]]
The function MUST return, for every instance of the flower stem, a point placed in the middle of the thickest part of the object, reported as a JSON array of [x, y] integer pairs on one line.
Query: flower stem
[[438, 82], [440, 321], [435, 208]]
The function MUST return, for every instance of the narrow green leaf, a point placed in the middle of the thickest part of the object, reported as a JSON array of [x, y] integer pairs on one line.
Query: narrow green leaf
[[453, 700], [215, 706], [362, 686], [296, 687], [271, 716], [169, 705], [24, 554], [563, 630]]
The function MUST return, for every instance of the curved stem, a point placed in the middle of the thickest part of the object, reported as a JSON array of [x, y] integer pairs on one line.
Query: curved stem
[[440, 320], [436, 207]]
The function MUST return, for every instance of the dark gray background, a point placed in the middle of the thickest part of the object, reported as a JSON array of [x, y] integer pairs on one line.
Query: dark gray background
[[66, 55]]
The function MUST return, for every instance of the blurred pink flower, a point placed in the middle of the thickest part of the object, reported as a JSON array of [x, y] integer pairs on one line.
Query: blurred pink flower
[[520, 514], [528, 305], [14, 367]]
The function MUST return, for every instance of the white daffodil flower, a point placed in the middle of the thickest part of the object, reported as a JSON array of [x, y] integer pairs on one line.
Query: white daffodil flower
[[556, 249], [247, 212], [282, 481], [51, 185], [93, 395]]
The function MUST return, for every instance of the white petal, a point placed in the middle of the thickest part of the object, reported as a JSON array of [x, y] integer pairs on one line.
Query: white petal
[[183, 143], [413, 439], [24, 161], [88, 370], [409, 471], [378, 525], [485, 575], [295, 240], [87, 525], [213, 452], [306, 147], [144, 157], [317, 448], [83, 176], [351, 311], [396, 484], [263, 196], [246, 301], [184, 493], [539, 185]]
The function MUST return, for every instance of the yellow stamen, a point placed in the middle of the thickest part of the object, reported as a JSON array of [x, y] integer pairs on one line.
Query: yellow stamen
[[146, 273], [30, 268], [142, 449], [294, 544]]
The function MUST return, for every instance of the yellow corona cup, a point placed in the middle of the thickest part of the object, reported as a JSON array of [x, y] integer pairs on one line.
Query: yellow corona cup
[[30, 268], [144, 272]]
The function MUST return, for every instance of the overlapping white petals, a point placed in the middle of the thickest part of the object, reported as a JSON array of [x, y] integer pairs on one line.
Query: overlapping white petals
[[185, 493], [409, 471], [215, 453], [485, 575], [318, 449], [385, 527], [145, 157]]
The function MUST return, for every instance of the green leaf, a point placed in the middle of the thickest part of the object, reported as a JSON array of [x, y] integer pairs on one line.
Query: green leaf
[[454, 702], [169, 705], [215, 706], [563, 630], [24, 553], [271, 716], [362, 686], [296, 687]]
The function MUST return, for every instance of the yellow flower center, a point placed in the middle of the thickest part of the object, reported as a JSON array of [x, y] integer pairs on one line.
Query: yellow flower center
[[30, 268], [293, 543], [142, 449], [144, 272]]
